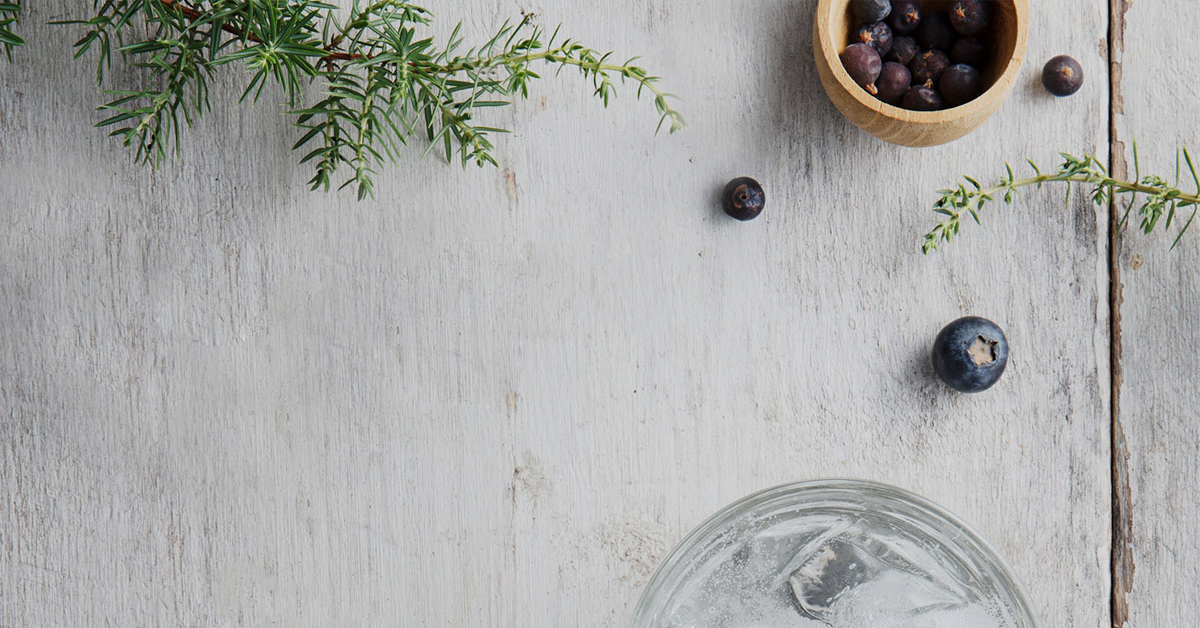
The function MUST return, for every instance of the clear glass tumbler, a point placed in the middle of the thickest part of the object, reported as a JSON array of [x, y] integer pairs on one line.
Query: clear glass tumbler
[[832, 553]]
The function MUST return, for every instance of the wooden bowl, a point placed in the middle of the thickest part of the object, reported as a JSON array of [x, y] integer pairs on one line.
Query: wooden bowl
[[831, 32]]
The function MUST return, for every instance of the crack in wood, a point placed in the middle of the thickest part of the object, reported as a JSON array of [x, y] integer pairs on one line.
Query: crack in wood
[[1121, 556]]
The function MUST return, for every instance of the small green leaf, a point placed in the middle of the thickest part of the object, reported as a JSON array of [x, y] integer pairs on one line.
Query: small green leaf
[[1183, 230], [1192, 169]]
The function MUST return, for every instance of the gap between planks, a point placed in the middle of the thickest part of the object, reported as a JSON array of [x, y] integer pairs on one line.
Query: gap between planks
[[1121, 548]]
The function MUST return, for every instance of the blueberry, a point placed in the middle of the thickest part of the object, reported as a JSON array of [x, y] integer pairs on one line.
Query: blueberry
[[904, 49], [923, 98], [960, 84], [863, 64], [868, 11], [1062, 76], [905, 17], [970, 51], [894, 81], [935, 32], [877, 36], [970, 354], [743, 198], [928, 66], [970, 17]]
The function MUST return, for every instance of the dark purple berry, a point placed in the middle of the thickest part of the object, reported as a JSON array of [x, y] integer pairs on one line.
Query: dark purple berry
[[743, 198], [970, 51], [894, 81], [877, 36], [970, 354], [905, 17], [1062, 76], [960, 84], [869, 11], [928, 66], [904, 50], [922, 98], [863, 64], [970, 17], [935, 32]]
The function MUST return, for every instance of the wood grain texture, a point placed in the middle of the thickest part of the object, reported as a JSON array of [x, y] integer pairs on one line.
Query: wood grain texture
[[497, 397], [1159, 397]]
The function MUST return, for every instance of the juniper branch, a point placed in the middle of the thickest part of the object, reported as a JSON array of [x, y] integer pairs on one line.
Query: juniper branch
[[1161, 199], [381, 81]]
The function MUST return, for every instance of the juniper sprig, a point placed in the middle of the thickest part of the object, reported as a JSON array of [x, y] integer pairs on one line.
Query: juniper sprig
[[1161, 203], [359, 83]]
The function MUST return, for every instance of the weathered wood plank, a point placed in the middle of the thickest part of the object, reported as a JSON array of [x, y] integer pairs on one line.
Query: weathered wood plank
[[1159, 297], [498, 397]]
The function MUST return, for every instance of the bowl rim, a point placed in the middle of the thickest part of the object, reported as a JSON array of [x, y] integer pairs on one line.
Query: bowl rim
[[980, 104], [1006, 581]]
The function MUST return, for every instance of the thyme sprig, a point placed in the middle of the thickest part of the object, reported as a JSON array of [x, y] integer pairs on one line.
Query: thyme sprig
[[1160, 198], [380, 80]]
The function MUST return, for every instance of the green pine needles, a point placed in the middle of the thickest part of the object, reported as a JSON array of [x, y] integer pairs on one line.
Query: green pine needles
[[381, 82], [9, 12], [1161, 202]]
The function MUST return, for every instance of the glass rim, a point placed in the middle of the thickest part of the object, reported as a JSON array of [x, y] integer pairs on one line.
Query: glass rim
[[967, 538]]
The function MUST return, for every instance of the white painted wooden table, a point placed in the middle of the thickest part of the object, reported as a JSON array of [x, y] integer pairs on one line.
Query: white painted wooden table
[[498, 397]]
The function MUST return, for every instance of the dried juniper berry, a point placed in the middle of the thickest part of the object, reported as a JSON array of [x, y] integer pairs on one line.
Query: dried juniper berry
[[1062, 76], [893, 83], [905, 17], [869, 11], [904, 50], [960, 84], [863, 64], [877, 36], [970, 51], [970, 17], [922, 98], [935, 32], [928, 66], [743, 198]]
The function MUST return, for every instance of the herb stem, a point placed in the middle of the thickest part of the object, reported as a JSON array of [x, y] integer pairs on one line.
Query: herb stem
[[382, 79], [561, 55], [1161, 198], [1116, 184], [557, 55]]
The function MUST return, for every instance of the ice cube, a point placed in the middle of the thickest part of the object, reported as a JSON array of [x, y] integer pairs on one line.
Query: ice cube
[[854, 578], [833, 569], [894, 598]]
